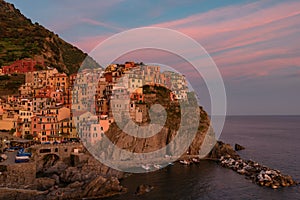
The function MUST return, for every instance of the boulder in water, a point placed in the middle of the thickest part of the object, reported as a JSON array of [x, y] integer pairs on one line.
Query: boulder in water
[[238, 147], [142, 189], [222, 150]]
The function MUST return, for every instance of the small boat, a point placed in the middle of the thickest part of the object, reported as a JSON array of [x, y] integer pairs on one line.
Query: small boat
[[157, 166], [184, 162], [146, 167], [195, 160]]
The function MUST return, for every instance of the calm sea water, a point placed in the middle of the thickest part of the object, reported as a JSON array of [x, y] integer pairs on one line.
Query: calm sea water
[[271, 140]]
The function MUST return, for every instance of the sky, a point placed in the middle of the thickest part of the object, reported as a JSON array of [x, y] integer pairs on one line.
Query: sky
[[255, 44]]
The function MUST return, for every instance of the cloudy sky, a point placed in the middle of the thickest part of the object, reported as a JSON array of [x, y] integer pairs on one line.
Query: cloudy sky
[[255, 44]]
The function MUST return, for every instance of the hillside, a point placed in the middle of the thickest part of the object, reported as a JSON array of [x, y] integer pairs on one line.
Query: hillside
[[20, 38]]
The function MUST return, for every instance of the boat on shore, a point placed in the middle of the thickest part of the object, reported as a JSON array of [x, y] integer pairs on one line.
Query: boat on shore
[[185, 162], [146, 167], [157, 166]]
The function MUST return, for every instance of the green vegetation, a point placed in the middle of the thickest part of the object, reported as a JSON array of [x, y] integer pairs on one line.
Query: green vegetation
[[9, 84], [20, 38], [11, 131]]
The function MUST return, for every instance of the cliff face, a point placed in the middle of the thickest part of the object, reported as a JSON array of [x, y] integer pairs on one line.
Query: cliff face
[[20, 38], [159, 95]]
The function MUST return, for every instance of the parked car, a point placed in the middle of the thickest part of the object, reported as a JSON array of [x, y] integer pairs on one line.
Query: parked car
[[22, 152], [21, 159]]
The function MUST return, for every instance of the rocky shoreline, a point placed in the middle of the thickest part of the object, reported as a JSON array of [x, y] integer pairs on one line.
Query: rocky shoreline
[[88, 178], [85, 177], [262, 175]]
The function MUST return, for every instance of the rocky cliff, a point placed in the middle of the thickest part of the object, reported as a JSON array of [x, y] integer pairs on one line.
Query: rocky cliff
[[160, 95]]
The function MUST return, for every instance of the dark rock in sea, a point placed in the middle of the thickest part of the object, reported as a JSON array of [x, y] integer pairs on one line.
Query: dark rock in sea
[[238, 147], [142, 189], [222, 150]]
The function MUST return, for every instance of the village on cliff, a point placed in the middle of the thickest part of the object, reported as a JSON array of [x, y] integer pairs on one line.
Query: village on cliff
[[49, 102]]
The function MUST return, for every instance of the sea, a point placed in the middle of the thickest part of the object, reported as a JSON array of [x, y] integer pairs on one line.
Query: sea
[[273, 141]]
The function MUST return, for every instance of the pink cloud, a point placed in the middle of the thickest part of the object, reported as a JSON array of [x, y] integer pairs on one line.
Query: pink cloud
[[246, 39], [102, 24], [87, 44], [255, 39]]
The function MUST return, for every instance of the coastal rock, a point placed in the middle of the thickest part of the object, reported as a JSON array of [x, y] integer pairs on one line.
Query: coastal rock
[[142, 189], [21, 194], [76, 184], [56, 178], [101, 187], [222, 150], [44, 183], [70, 175], [94, 186], [238, 147], [57, 168]]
